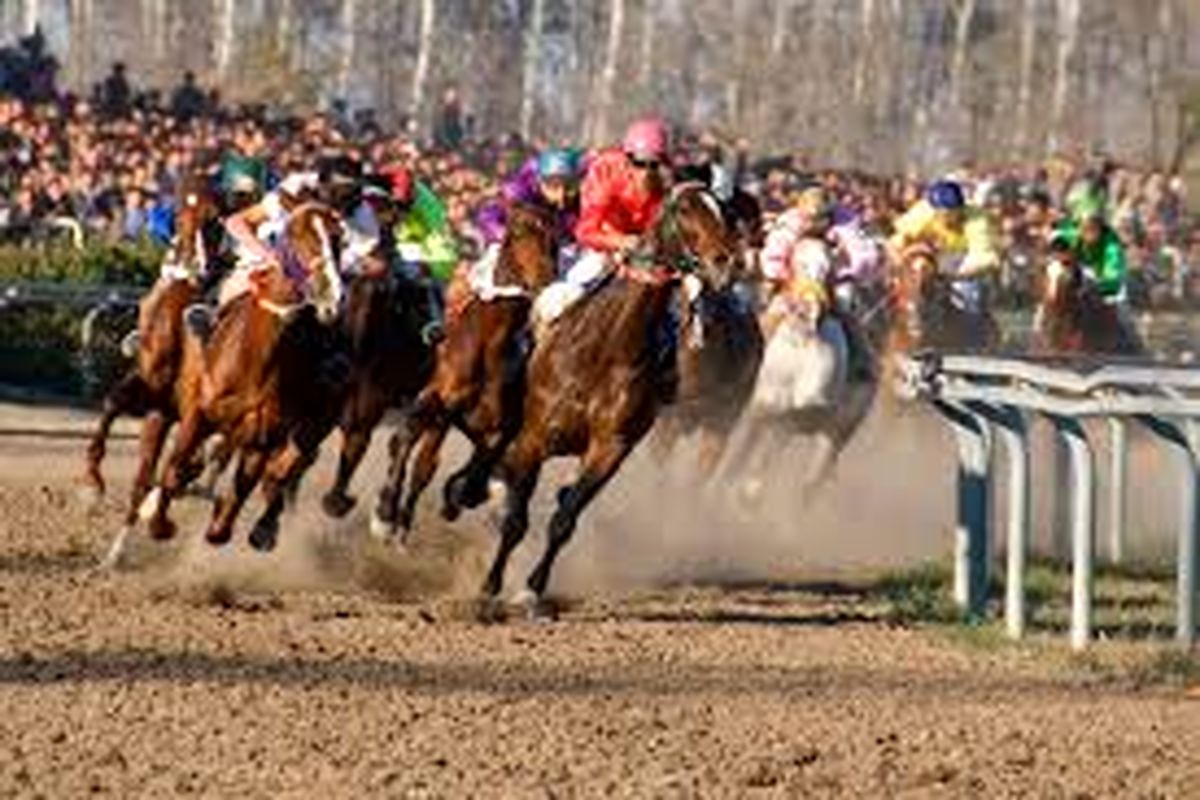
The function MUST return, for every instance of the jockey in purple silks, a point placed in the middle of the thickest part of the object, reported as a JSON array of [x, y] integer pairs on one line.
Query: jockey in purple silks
[[548, 181]]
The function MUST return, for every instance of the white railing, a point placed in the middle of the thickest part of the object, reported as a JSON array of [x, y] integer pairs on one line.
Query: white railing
[[986, 399]]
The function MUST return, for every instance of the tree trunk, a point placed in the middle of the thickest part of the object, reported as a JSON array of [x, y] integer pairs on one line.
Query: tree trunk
[[962, 37], [31, 16], [608, 77], [532, 67], [646, 57], [865, 41], [1029, 15], [223, 50], [424, 48], [349, 25], [1068, 12]]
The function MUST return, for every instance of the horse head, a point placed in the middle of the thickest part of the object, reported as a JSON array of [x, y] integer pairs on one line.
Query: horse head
[[691, 237], [530, 256], [197, 215], [313, 234]]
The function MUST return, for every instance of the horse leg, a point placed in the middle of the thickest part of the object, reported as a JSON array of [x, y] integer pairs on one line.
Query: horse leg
[[156, 506], [153, 437], [828, 446], [127, 397], [522, 465], [600, 463], [215, 462], [468, 487], [337, 502], [282, 470], [250, 466]]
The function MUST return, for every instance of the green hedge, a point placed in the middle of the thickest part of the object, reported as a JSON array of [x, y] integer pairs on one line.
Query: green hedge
[[131, 263], [40, 343]]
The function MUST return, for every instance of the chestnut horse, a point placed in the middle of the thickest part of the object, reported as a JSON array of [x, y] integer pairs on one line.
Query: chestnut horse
[[477, 382], [152, 388], [271, 379], [598, 377], [1071, 316]]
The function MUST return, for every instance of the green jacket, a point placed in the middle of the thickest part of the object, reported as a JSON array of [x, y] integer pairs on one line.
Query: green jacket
[[1105, 259], [424, 235]]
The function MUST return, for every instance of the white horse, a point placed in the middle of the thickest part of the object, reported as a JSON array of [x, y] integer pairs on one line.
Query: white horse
[[808, 386]]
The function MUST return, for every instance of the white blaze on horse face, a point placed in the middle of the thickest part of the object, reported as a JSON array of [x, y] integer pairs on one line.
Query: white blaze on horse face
[[1056, 275], [329, 298]]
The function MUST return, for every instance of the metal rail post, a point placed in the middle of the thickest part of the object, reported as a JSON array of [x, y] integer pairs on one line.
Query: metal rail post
[[1083, 490], [971, 528], [1010, 423], [1189, 534], [1118, 443]]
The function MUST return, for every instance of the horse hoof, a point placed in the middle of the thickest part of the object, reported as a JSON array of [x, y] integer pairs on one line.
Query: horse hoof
[[218, 537], [451, 512], [536, 609], [263, 537], [91, 495], [116, 551], [150, 506], [337, 504], [161, 529], [380, 529], [489, 610]]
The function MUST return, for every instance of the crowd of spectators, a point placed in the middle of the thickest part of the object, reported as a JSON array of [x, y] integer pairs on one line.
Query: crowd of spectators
[[107, 167]]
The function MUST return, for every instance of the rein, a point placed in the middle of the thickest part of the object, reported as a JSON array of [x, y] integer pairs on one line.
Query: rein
[[646, 266]]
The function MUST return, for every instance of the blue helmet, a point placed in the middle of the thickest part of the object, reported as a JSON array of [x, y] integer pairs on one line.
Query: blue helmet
[[558, 164], [945, 195]]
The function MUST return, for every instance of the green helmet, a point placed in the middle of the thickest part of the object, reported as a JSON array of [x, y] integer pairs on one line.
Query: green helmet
[[1084, 202]]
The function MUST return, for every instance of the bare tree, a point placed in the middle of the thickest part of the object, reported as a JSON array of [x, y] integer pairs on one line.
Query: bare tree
[[224, 38], [962, 34], [1029, 20], [533, 65], [599, 129], [424, 46], [349, 25], [1067, 28]]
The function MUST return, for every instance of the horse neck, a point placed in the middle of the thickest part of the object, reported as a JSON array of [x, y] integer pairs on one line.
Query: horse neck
[[528, 261]]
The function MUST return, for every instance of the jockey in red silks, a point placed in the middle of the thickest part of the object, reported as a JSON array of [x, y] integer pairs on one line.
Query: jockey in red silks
[[622, 193]]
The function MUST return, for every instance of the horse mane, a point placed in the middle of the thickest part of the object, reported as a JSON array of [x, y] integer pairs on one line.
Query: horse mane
[[527, 223]]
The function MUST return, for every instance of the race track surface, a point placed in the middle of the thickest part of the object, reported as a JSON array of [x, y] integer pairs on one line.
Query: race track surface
[[337, 668]]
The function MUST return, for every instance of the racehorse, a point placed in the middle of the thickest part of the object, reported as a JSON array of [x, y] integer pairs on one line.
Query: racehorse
[[925, 312], [809, 385], [390, 363], [720, 351], [271, 379], [1071, 316], [152, 388], [477, 381], [597, 377]]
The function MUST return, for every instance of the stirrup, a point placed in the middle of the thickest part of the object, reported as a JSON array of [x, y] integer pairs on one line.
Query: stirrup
[[198, 319], [130, 344], [433, 332]]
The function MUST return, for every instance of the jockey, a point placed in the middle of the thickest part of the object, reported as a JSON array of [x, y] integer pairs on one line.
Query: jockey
[[548, 181], [795, 258], [620, 198], [858, 257], [424, 241], [1087, 238], [257, 230], [958, 239]]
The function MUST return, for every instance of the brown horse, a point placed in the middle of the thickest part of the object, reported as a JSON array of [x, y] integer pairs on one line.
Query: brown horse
[[477, 382], [925, 314], [599, 376], [390, 363], [268, 379], [152, 388], [1072, 317]]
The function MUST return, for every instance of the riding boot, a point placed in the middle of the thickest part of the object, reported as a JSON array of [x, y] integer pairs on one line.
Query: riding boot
[[435, 329]]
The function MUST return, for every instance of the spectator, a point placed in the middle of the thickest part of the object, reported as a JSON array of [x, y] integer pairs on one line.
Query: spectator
[[448, 131], [188, 100], [115, 95]]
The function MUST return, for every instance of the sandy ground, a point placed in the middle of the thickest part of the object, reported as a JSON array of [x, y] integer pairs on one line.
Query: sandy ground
[[337, 668]]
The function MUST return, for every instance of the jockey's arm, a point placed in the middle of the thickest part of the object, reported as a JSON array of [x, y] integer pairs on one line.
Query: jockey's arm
[[242, 227], [593, 230], [777, 251], [983, 256]]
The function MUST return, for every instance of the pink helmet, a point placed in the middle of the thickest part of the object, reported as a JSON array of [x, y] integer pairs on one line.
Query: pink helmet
[[646, 138]]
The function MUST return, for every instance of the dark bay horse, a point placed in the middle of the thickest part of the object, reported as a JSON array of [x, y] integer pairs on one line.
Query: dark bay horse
[[152, 387], [477, 381], [270, 378], [925, 314], [720, 350], [1071, 316], [597, 378], [390, 363]]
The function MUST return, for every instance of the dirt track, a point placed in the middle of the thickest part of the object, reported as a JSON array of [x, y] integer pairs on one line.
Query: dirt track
[[334, 669]]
